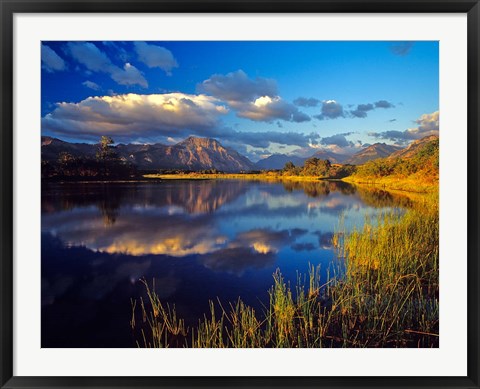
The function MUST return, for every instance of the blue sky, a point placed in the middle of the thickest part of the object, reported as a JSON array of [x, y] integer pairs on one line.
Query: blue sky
[[256, 97]]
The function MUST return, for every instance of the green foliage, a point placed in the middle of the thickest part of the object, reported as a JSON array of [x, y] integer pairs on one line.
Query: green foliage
[[342, 171], [289, 166], [291, 170], [425, 163], [321, 168], [316, 167], [313, 167]]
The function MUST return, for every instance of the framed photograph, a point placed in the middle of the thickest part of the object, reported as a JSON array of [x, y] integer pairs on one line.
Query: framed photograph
[[216, 194]]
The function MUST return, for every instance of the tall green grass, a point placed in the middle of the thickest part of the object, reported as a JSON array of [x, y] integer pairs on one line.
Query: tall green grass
[[384, 293], [389, 293]]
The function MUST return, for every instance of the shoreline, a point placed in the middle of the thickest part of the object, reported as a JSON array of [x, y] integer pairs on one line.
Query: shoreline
[[390, 184], [387, 183], [235, 176]]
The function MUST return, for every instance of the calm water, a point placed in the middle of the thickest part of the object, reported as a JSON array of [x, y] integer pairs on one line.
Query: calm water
[[198, 239]]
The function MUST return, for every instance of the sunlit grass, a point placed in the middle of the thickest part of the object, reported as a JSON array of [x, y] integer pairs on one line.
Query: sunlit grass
[[382, 293], [390, 288], [407, 184], [268, 176]]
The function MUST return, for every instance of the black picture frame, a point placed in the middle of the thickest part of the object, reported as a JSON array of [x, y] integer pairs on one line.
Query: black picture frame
[[7, 196]]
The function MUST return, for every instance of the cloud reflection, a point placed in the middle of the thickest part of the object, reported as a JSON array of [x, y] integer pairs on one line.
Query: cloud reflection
[[137, 233], [251, 249], [325, 239], [148, 220]]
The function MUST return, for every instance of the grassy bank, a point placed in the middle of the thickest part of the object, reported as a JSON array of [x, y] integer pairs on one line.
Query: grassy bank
[[396, 183], [386, 295], [417, 173], [269, 176]]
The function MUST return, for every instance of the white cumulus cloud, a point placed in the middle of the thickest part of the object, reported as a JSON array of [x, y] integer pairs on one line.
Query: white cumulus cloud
[[255, 99], [136, 115]]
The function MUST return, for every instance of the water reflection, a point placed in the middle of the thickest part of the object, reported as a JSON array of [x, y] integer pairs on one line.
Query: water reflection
[[191, 196], [186, 218], [198, 239], [319, 188], [251, 249]]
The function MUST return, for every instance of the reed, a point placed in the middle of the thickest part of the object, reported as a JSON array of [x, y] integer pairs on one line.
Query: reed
[[389, 294], [382, 293]]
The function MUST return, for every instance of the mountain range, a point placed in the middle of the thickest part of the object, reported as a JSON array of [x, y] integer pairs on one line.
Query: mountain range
[[204, 153], [190, 154]]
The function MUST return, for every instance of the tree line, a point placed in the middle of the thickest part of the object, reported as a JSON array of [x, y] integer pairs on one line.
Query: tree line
[[106, 165], [316, 167]]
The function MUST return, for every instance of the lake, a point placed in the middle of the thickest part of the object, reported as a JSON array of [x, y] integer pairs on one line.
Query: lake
[[199, 240]]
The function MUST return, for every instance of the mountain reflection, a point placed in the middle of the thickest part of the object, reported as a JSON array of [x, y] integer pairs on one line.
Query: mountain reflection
[[192, 196]]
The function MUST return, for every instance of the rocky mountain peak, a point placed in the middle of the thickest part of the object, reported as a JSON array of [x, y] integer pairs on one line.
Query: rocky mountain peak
[[200, 142]]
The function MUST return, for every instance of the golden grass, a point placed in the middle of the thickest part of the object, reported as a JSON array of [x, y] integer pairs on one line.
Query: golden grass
[[272, 176], [392, 183], [396, 183], [390, 289]]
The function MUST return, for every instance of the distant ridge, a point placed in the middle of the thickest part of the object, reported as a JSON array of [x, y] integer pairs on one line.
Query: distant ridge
[[278, 161], [372, 152], [331, 156], [52, 147], [190, 154], [413, 148]]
